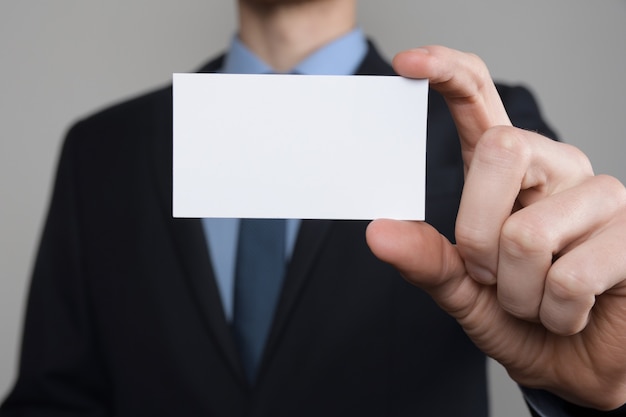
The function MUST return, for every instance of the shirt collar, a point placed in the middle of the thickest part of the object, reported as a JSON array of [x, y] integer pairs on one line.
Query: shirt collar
[[340, 57]]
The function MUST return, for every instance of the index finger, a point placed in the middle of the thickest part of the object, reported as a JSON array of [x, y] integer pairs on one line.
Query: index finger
[[464, 81]]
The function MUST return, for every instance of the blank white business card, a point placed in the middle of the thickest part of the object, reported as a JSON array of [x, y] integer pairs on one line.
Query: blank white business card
[[299, 146]]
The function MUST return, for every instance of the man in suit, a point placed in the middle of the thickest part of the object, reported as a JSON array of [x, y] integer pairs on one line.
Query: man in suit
[[130, 311]]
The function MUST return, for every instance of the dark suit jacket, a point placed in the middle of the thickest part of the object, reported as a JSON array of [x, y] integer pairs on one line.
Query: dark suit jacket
[[124, 316]]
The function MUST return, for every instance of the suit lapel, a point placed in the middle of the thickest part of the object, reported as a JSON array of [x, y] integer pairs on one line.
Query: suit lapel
[[193, 252], [189, 242]]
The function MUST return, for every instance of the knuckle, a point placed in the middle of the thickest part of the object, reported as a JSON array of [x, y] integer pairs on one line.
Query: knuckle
[[613, 187], [480, 65], [581, 160], [502, 146], [566, 283], [521, 237]]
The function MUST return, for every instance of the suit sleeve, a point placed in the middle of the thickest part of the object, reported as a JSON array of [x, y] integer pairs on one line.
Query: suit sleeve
[[60, 371]]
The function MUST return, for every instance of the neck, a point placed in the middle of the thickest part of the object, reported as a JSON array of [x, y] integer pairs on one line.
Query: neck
[[284, 34]]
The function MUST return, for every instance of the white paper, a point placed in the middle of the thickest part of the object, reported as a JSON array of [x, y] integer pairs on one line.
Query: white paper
[[297, 146]]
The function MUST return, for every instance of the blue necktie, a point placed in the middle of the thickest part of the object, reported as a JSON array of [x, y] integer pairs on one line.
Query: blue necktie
[[258, 280]]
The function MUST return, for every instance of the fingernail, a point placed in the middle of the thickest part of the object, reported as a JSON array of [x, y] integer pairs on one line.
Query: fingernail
[[420, 50]]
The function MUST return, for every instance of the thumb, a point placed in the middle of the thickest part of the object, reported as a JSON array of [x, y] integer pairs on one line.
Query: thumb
[[428, 260]]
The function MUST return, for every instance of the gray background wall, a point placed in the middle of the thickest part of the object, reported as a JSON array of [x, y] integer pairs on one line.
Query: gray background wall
[[63, 59]]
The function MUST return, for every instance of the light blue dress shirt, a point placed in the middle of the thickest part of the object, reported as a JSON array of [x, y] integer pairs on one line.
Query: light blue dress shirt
[[340, 57]]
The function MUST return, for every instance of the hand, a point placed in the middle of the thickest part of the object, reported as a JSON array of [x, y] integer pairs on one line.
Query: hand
[[538, 275]]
